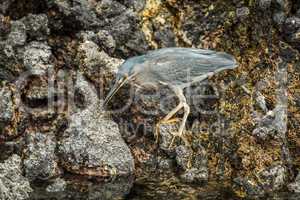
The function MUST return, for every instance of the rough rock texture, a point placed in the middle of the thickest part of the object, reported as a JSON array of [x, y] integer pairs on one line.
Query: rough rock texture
[[243, 126], [40, 161], [12, 184], [295, 186], [92, 144]]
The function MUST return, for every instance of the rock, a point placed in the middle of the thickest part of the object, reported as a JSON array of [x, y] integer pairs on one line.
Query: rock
[[70, 188], [106, 41], [248, 187], [92, 144], [36, 92], [102, 38], [292, 24], [165, 37], [6, 105], [40, 162], [13, 186], [194, 164], [165, 133], [284, 5], [279, 17], [135, 5], [269, 180], [4, 27], [4, 5], [109, 8], [58, 185], [272, 124], [96, 64], [165, 164], [264, 4], [9, 116], [184, 156], [36, 26], [242, 12], [260, 101], [37, 57], [73, 15], [123, 25], [195, 175], [295, 37], [298, 13], [295, 186], [17, 35], [273, 178]]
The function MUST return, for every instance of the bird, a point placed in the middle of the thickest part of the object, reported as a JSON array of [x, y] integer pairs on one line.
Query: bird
[[174, 67]]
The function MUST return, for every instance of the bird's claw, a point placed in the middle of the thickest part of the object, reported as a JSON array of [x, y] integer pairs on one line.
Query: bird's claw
[[157, 127], [181, 135]]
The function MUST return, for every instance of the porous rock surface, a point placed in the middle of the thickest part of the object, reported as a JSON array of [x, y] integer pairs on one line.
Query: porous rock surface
[[58, 60]]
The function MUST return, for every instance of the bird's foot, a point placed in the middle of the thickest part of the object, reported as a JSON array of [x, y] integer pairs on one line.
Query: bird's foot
[[157, 127], [182, 136]]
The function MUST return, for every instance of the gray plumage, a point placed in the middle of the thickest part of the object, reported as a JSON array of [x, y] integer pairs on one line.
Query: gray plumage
[[175, 67]]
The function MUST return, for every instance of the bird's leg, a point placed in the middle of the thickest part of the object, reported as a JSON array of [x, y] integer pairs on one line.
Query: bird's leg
[[163, 121], [173, 112], [166, 120], [186, 108], [182, 103]]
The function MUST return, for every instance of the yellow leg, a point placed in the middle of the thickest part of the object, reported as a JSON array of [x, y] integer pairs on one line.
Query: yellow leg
[[157, 126]]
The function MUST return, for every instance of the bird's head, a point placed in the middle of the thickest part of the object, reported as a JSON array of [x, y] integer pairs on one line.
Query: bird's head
[[126, 73]]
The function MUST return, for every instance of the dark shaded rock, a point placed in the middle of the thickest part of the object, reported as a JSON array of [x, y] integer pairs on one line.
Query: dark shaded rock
[[40, 162], [17, 35], [264, 4], [242, 12], [194, 164], [165, 37], [68, 189], [97, 65], [298, 13], [37, 57], [36, 26], [4, 5], [11, 49], [92, 144], [166, 137], [123, 25], [13, 186], [136, 45], [195, 175], [284, 5], [8, 113], [166, 163], [279, 17], [58, 185], [295, 186], [35, 92], [74, 15], [6, 105], [135, 5], [271, 179], [292, 24], [106, 41], [109, 8], [184, 156], [4, 27]]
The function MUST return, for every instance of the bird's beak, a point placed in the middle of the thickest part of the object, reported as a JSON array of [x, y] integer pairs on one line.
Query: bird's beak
[[115, 89]]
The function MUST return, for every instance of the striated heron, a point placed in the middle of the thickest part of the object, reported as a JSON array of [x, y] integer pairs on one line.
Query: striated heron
[[177, 68]]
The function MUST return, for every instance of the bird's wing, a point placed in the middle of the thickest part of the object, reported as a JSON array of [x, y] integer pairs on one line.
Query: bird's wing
[[182, 66]]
